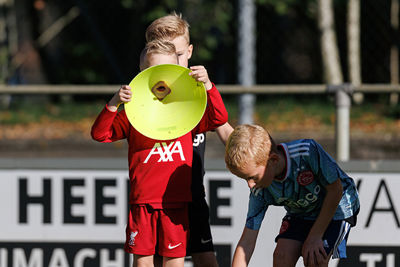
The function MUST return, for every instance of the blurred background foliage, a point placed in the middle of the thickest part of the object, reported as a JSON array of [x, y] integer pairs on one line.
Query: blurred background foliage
[[101, 45]]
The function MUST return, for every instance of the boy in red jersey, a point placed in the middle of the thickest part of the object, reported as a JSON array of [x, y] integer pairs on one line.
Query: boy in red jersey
[[159, 170]]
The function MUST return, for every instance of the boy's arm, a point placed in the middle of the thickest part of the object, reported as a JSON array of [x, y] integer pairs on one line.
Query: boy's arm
[[245, 247], [224, 131], [199, 73], [123, 95], [313, 250], [215, 114], [109, 125]]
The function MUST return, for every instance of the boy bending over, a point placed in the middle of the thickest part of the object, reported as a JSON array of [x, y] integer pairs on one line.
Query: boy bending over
[[320, 199]]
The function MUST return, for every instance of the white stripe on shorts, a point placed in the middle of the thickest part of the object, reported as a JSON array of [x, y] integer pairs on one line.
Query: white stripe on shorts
[[344, 229]]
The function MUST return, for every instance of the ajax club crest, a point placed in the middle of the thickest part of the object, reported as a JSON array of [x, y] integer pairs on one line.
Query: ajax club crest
[[305, 178]]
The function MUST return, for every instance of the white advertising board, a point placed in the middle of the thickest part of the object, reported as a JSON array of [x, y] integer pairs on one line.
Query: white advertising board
[[77, 218]]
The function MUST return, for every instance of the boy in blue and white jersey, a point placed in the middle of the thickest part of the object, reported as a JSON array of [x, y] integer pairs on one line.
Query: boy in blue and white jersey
[[321, 200]]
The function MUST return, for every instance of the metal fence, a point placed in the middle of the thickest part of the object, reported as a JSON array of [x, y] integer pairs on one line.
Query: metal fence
[[222, 88], [342, 93]]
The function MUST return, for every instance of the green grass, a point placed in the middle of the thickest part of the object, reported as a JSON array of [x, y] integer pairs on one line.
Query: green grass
[[278, 111], [23, 113], [318, 113], [286, 109]]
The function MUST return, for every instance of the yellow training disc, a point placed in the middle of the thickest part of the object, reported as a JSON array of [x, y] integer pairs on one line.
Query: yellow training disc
[[166, 102]]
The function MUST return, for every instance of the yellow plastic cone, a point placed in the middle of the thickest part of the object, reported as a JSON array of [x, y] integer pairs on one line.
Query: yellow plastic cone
[[166, 102]]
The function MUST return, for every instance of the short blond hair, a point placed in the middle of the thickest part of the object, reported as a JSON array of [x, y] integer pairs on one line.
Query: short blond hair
[[248, 144], [155, 47], [168, 28]]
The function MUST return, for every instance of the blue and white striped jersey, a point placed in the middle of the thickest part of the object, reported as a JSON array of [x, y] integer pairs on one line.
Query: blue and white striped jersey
[[309, 169]]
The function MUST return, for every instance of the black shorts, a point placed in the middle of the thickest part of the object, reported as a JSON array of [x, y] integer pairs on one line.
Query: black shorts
[[200, 239], [335, 236]]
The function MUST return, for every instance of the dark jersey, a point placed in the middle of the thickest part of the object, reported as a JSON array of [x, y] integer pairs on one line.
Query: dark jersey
[[199, 147]]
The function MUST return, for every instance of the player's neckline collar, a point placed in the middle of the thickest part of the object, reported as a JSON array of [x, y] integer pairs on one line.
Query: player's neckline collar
[[287, 165]]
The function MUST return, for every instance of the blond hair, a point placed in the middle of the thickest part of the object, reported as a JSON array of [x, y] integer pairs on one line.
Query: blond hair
[[155, 47], [248, 144], [168, 28]]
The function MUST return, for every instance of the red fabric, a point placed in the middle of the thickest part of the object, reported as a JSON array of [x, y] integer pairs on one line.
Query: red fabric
[[159, 171], [149, 228]]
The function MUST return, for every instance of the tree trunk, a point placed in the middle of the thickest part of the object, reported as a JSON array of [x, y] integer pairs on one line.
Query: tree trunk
[[246, 58], [330, 52], [353, 41], [3, 42], [5, 7], [27, 60], [394, 51]]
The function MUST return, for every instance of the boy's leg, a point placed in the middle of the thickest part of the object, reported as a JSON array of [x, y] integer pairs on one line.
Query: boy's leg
[[174, 262], [287, 252], [204, 259], [290, 240], [158, 261], [326, 262], [200, 245], [142, 261]]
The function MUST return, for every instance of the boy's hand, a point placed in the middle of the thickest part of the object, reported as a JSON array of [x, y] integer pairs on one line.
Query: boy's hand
[[313, 252], [123, 95], [199, 73]]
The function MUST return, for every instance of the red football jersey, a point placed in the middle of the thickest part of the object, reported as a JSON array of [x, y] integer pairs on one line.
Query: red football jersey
[[160, 171]]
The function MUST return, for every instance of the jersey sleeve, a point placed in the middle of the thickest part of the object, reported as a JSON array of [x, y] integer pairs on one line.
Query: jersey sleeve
[[256, 211], [215, 114], [323, 164], [110, 126]]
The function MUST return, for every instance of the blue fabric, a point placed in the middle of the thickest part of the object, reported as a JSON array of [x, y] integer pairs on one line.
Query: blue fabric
[[340, 252], [309, 170]]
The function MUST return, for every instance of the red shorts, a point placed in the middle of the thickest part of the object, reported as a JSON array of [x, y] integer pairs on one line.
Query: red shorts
[[164, 229]]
